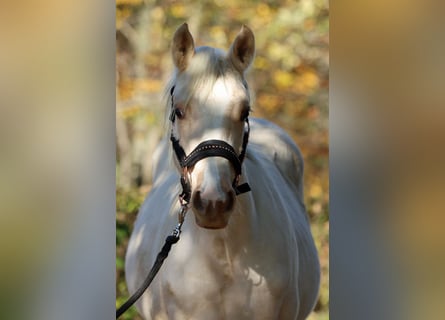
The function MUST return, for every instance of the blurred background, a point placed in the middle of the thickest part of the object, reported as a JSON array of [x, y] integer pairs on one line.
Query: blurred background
[[289, 82]]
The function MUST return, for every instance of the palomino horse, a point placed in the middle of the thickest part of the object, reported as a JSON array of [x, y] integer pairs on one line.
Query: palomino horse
[[246, 256]]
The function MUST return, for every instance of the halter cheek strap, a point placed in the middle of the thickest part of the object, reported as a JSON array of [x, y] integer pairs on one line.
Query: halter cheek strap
[[209, 148]]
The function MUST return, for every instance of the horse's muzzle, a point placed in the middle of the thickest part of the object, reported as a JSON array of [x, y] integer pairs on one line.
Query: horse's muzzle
[[212, 213]]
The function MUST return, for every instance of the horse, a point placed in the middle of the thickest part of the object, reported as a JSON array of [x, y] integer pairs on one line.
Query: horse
[[244, 253]]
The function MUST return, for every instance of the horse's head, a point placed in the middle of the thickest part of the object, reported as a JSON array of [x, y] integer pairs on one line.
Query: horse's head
[[210, 101]]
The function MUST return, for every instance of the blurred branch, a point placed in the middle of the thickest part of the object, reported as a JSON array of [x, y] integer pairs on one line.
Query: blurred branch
[[129, 32], [124, 148]]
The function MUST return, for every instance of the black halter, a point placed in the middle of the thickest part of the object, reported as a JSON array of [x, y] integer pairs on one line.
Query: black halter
[[209, 148]]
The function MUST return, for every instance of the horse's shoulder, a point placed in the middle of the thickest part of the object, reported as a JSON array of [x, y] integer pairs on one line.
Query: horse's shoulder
[[278, 147]]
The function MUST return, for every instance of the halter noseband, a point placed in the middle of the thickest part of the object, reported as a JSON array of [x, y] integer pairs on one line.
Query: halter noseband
[[209, 148]]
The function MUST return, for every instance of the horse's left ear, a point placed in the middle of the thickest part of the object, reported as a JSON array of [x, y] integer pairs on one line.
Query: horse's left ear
[[183, 47], [242, 50]]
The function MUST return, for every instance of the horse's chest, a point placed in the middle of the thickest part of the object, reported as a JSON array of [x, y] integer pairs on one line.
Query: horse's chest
[[222, 286]]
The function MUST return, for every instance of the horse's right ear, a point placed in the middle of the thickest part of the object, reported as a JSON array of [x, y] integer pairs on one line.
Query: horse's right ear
[[183, 47]]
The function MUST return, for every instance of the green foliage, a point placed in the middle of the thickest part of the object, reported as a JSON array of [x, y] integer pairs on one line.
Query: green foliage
[[127, 204]]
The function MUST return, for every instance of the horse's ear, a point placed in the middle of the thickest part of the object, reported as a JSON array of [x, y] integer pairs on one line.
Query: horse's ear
[[242, 50], [183, 47]]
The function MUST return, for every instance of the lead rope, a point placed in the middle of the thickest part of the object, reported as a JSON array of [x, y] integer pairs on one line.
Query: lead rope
[[162, 255]]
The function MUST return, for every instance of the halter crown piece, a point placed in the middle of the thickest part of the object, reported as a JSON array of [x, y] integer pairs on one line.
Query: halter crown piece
[[209, 148]]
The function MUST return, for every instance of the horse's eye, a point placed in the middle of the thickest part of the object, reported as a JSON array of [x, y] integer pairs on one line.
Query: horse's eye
[[245, 113], [179, 113], [179, 110]]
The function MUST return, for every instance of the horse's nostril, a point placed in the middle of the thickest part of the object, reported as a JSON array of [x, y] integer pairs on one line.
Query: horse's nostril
[[230, 200], [197, 201]]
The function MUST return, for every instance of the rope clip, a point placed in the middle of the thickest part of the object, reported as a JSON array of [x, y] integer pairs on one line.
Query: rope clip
[[181, 217]]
